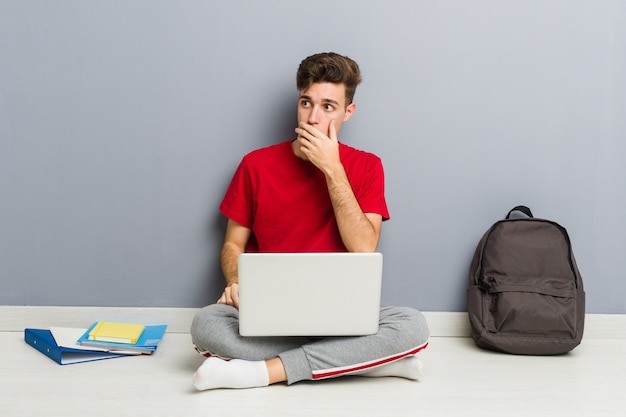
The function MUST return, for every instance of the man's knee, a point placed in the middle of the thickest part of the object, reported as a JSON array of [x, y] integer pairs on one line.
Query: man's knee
[[420, 327], [212, 324], [408, 323]]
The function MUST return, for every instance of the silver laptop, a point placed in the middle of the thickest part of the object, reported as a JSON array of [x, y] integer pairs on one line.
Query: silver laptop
[[309, 294]]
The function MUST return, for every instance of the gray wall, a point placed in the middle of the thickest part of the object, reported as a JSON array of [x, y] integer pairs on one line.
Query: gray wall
[[121, 123]]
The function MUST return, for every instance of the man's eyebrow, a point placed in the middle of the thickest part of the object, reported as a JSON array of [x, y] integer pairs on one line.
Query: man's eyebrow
[[324, 100]]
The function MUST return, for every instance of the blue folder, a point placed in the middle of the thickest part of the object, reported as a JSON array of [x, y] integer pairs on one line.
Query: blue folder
[[43, 341]]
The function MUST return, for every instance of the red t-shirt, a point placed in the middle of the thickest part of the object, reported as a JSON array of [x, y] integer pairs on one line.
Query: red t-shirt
[[284, 200]]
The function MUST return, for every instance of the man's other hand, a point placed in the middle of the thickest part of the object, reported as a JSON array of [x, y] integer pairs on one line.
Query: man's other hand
[[230, 296]]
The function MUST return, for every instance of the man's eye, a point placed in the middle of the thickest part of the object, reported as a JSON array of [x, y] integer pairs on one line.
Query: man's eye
[[305, 103], [329, 107]]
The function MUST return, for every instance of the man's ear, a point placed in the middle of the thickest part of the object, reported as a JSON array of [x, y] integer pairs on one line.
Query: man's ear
[[349, 110]]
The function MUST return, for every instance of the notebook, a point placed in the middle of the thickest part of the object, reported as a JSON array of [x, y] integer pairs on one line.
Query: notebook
[[106, 331], [309, 294]]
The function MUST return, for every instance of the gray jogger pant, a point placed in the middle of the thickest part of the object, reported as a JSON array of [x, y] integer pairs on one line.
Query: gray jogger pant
[[402, 332]]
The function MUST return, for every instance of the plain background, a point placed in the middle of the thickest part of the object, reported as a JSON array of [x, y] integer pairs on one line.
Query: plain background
[[121, 124]]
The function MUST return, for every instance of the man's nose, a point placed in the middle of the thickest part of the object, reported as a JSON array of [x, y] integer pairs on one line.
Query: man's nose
[[313, 118]]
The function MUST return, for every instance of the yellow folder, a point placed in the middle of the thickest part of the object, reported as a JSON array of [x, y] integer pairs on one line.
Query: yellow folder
[[106, 331]]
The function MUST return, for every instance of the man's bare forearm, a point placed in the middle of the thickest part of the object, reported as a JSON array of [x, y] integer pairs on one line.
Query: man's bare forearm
[[229, 261], [357, 231]]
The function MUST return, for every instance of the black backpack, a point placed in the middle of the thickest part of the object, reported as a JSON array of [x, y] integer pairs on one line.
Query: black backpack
[[525, 293]]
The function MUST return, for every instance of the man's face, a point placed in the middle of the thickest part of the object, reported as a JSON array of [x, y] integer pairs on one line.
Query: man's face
[[323, 102]]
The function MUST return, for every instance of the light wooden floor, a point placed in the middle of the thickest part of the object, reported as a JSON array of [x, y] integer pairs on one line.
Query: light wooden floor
[[460, 380]]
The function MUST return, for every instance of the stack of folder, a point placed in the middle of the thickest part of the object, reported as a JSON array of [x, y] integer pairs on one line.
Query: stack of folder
[[102, 340]]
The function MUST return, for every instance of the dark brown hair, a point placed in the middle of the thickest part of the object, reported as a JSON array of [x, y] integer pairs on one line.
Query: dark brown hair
[[329, 67]]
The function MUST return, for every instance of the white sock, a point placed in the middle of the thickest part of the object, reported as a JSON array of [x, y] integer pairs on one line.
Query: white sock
[[409, 368], [235, 373]]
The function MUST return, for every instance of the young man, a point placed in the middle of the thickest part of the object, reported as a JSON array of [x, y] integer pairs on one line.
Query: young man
[[312, 194]]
